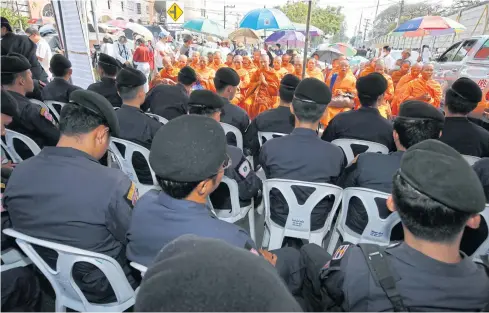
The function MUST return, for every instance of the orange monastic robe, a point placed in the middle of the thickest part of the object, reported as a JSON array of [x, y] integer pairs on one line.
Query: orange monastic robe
[[207, 74], [231, 65], [281, 73], [403, 81], [193, 65], [341, 86], [316, 73], [216, 67], [367, 70], [385, 107], [396, 77], [260, 97], [171, 73], [417, 88], [243, 85], [289, 67]]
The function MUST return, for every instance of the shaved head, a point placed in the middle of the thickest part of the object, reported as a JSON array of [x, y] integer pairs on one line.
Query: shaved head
[[380, 66], [167, 62], [416, 69], [264, 61], [277, 62], [427, 71]]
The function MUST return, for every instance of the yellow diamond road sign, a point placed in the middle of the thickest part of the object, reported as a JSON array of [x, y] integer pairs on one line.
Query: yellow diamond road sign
[[175, 12]]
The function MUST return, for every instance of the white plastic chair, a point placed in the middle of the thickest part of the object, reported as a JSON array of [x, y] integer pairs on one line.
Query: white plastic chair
[[237, 212], [52, 108], [68, 294], [237, 133], [9, 147], [378, 230], [12, 258], [298, 223], [125, 162], [484, 247], [40, 103], [265, 136], [160, 119], [345, 145], [470, 159], [143, 269]]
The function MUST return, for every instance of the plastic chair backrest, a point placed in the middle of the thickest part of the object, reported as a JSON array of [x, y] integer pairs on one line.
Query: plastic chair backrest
[[10, 135], [345, 145], [265, 136], [470, 159], [52, 108], [237, 133], [298, 223], [484, 247], [40, 103], [160, 119], [237, 212], [68, 294], [139, 267]]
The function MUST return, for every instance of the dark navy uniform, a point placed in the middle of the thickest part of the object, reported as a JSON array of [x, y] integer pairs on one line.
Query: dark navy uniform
[[158, 219], [234, 115], [481, 167], [303, 156], [35, 122], [465, 137], [167, 101], [363, 124], [106, 87], [58, 90], [278, 120], [64, 195]]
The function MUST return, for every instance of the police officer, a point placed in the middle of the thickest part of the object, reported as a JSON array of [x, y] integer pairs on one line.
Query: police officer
[[437, 194], [458, 132], [366, 123], [107, 69], [60, 88], [65, 196], [302, 155], [481, 167], [134, 124], [171, 101], [279, 120], [226, 82], [205, 102], [33, 121], [417, 121]]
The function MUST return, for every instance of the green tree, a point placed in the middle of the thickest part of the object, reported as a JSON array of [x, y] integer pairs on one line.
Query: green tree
[[328, 19], [15, 18]]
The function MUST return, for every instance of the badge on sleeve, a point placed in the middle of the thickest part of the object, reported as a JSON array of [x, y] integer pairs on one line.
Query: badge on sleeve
[[45, 113], [340, 252], [132, 195], [244, 169]]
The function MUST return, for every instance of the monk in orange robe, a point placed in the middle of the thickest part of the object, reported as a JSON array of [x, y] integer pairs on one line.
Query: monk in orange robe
[[217, 61], [277, 67], [182, 61], [195, 60], [424, 88], [286, 64], [169, 71], [244, 78], [412, 75], [397, 75], [335, 67], [312, 70], [256, 58], [205, 75], [297, 67], [343, 90], [369, 69], [229, 60], [249, 66], [263, 90], [385, 107]]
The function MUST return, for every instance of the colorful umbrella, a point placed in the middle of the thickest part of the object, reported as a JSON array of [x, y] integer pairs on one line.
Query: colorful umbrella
[[266, 19], [356, 60], [118, 23], [344, 48], [287, 37], [141, 30], [205, 26], [327, 54], [245, 35], [313, 30], [428, 25]]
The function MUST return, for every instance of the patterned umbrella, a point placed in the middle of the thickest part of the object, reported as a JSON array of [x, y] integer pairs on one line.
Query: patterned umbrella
[[266, 19], [245, 35], [118, 23], [313, 30], [205, 26], [287, 37], [428, 25], [344, 48]]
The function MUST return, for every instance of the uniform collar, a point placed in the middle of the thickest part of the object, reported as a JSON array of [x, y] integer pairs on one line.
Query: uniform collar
[[131, 107], [182, 205], [304, 132], [369, 110], [109, 80], [67, 152], [460, 119]]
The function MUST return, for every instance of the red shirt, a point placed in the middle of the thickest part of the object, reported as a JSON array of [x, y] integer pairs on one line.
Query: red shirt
[[141, 54]]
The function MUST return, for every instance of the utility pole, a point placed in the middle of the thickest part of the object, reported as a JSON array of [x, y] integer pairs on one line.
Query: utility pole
[[376, 9], [359, 29], [365, 31], [306, 43], [227, 6], [401, 6]]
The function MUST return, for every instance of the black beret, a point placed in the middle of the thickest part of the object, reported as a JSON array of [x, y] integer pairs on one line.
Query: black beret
[[467, 89], [441, 173], [314, 90], [226, 76], [98, 105], [9, 104], [288, 84], [59, 63], [187, 76], [371, 86], [190, 148], [6, 23], [107, 60], [14, 63], [414, 109], [130, 77], [193, 274], [205, 99]]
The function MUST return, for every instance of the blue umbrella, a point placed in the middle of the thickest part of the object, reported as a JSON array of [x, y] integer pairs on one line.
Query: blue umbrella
[[266, 19]]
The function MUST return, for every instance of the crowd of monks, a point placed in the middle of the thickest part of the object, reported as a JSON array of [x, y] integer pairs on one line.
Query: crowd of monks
[[258, 90]]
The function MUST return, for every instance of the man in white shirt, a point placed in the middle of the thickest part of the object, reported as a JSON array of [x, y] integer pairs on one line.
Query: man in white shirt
[[389, 61], [162, 49], [122, 51], [43, 51]]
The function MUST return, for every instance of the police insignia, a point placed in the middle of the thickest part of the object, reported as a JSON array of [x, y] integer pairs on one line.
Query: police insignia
[[132, 194], [340, 252], [244, 169], [45, 113]]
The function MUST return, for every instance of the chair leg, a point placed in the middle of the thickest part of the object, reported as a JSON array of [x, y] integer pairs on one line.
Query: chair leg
[[333, 241], [266, 237], [276, 239], [251, 220], [59, 307]]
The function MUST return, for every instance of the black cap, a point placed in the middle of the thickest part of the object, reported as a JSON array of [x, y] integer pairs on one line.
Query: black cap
[[414, 109], [312, 89], [107, 60], [226, 76], [130, 77], [371, 86], [205, 99], [59, 63], [98, 105], [187, 76], [6, 23], [14, 63], [194, 145], [466, 89], [193, 274], [288, 84], [441, 173], [9, 104]]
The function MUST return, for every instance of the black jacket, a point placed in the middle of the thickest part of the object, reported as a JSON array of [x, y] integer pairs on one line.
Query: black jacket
[[167, 101], [58, 90], [106, 87]]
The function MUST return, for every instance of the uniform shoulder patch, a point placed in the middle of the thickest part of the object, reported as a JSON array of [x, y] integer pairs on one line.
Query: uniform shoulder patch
[[45, 113], [340, 252], [132, 195], [394, 244], [244, 169]]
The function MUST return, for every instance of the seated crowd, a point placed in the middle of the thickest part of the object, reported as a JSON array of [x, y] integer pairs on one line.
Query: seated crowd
[[197, 261]]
